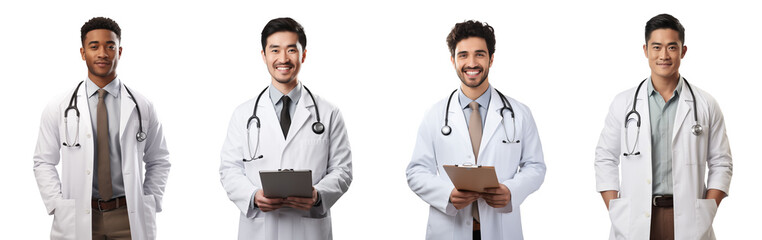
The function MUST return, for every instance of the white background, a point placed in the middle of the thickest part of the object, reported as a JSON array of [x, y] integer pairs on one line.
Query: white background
[[384, 64]]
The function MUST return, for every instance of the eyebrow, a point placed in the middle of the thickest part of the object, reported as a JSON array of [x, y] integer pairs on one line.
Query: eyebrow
[[479, 51], [670, 43], [287, 46], [96, 42]]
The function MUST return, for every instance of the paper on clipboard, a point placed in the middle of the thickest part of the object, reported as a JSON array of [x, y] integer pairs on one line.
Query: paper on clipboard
[[472, 178], [284, 183]]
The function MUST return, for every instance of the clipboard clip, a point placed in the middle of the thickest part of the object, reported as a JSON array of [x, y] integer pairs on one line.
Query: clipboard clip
[[468, 165], [286, 170]]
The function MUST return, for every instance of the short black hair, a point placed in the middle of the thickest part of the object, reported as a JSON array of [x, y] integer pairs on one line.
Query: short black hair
[[471, 28], [100, 23], [662, 21], [284, 24]]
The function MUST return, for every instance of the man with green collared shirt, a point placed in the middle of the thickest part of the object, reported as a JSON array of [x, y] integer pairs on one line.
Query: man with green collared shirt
[[665, 183]]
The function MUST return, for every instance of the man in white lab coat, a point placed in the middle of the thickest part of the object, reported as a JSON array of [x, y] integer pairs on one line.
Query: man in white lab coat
[[285, 127], [114, 160], [663, 135], [451, 134]]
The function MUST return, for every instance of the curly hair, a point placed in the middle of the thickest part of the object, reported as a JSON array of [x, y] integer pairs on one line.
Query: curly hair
[[100, 23], [471, 28]]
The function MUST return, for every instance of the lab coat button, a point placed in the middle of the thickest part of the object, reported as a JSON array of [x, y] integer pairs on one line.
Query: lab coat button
[[648, 181], [89, 136], [648, 215], [88, 172], [87, 211], [126, 173], [468, 222]]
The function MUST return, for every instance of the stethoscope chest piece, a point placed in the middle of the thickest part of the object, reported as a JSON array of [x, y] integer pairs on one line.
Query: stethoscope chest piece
[[446, 130], [697, 129], [318, 128], [141, 136]]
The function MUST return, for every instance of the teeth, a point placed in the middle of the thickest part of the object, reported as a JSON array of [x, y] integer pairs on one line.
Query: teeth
[[284, 68], [472, 73]]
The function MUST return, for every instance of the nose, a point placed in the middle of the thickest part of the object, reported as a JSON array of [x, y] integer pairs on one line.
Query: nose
[[282, 57], [471, 62], [102, 52]]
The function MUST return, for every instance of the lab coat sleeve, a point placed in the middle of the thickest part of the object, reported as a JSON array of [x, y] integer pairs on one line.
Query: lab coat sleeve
[[719, 159], [339, 172], [532, 167], [156, 158], [232, 171], [608, 150], [422, 173], [47, 156]]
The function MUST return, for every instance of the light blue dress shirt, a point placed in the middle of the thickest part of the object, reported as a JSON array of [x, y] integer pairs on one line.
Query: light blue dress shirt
[[483, 101], [662, 116], [294, 94], [113, 105]]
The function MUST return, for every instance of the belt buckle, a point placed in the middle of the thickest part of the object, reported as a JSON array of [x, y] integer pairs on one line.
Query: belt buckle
[[654, 199], [99, 205]]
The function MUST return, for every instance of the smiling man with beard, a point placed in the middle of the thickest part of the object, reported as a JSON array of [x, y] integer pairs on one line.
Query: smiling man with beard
[[481, 127], [285, 127]]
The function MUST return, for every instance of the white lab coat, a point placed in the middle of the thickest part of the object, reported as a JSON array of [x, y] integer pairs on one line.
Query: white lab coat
[[519, 166], [328, 155], [630, 213], [145, 166]]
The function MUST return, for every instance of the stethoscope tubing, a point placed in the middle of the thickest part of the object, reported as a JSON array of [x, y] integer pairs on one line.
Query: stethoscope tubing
[[446, 129], [140, 135], [696, 129], [317, 127]]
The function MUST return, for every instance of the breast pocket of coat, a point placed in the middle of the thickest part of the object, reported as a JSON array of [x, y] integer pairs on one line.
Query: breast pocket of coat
[[506, 160], [316, 228], [311, 154], [64, 220]]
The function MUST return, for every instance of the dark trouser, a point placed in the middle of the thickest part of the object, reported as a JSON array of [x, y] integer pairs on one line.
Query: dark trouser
[[114, 224], [477, 235], [662, 223]]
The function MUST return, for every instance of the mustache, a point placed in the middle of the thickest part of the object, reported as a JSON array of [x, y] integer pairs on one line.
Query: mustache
[[283, 65], [471, 68]]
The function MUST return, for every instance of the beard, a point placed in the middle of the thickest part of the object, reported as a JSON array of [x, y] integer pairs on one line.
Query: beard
[[462, 76]]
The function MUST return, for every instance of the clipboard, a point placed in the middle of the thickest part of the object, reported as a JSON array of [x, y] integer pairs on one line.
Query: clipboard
[[472, 178], [284, 183]]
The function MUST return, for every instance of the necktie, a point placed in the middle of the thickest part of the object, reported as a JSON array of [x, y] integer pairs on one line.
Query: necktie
[[475, 131], [285, 117], [104, 161]]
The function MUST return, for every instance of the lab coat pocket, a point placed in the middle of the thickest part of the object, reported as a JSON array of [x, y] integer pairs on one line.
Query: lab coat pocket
[[64, 220], [149, 216], [706, 209], [506, 160], [619, 212], [316, 228], [251, 228]]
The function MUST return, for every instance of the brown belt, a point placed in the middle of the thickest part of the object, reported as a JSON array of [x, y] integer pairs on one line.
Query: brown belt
[[664, 201], [105, 206]]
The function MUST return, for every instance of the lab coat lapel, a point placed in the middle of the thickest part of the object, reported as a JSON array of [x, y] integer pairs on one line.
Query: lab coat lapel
[[684, 109], [644, 145], [457, 122], [268, 116], [127, 106], [492, 120], [86, 125], [301, 114]]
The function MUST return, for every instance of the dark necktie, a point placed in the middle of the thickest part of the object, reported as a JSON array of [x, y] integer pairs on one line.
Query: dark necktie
[[285, 117], [104, 161]]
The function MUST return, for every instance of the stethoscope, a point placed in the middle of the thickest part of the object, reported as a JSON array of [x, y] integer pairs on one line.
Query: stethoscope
[[446, 129], [317, 127], [696, 129], [140, 136]]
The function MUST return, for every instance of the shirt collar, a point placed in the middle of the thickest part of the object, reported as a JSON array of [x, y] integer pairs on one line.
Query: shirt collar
[[112, 88], [677, 91], [294, 94], [483, 100]]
